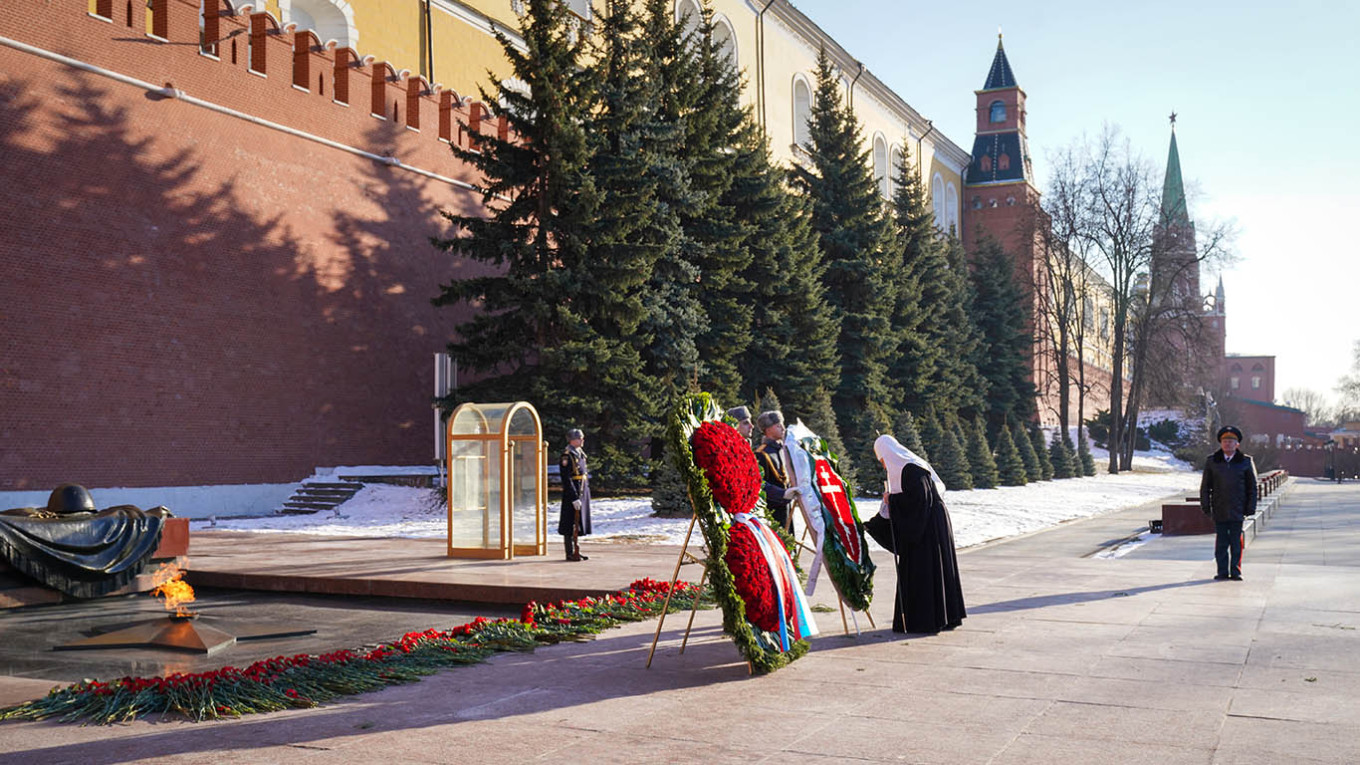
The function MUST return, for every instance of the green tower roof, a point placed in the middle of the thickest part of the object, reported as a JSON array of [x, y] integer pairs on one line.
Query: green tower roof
[[1174, 212]]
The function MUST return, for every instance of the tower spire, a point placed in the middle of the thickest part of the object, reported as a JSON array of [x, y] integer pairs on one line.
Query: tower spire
[[1000, 75], [1174, 211]]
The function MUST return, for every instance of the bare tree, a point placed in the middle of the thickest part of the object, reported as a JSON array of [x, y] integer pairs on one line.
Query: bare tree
[[1314, 404], [1348, 387], [1118, 227]]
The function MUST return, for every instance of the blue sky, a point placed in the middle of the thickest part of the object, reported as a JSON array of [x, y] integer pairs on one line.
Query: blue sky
[[1267, 103]]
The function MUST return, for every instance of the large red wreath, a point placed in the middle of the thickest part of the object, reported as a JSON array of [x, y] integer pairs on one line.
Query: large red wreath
[[728, 464], [751, 577]]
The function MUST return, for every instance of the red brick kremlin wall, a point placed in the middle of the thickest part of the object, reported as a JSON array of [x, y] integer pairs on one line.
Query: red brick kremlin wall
[[188, 298]]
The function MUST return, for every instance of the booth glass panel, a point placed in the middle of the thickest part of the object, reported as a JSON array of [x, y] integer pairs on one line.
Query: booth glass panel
[[474, 495], [522, 424], [524, 466]]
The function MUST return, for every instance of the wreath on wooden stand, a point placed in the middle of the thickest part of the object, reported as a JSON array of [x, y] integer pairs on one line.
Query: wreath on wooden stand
[[754, 582], [841, 538]]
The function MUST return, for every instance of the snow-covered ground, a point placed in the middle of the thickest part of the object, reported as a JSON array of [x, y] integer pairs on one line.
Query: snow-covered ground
[[979, 516]]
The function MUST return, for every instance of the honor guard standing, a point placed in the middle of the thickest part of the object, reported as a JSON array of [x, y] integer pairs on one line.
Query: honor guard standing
[[743, 417], [773, 466], [575, 519]]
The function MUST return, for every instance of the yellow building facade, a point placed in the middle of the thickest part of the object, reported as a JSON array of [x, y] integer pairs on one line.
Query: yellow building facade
[[453, 44]]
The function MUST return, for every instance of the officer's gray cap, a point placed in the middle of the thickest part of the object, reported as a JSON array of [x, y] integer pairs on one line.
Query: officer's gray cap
[[766, 419], [739, 413], [574, 434]]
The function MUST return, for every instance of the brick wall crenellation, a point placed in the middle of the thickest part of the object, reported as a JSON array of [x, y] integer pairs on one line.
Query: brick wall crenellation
[[195, 299]]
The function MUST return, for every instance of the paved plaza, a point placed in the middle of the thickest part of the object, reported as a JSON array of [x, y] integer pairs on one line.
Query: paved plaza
[[1069, 655]]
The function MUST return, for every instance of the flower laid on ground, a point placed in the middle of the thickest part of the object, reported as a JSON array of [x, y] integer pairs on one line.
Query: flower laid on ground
[[304, 680]]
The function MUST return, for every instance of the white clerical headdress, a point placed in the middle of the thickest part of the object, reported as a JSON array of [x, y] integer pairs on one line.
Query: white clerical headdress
[[895, 456]]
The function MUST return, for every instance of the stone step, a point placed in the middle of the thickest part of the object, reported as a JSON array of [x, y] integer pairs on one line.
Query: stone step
[[319, 493], [302, 504], [313, 496]]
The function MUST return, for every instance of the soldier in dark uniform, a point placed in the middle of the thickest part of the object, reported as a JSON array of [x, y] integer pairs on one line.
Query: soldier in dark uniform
[[770, 455], [575, 519], [743, 417]]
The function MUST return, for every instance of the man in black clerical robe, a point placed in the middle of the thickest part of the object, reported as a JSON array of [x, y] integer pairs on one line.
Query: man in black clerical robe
[[929, 596]]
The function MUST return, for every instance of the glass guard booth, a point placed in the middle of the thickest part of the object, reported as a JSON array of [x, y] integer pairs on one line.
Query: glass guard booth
[[497, 481]]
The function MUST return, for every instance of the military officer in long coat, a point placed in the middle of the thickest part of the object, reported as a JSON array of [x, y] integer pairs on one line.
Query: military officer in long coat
[[574, 521]]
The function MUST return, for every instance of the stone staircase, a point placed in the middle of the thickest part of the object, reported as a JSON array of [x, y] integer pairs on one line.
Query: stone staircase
[[313, 496]]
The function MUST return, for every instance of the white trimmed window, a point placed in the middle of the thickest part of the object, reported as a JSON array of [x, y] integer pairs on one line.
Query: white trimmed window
[[937, 202], [881, 172], [894, 170], [802, 111]]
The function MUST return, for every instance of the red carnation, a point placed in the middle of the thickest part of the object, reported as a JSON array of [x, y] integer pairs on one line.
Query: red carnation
[[728, 464], [752, 580]]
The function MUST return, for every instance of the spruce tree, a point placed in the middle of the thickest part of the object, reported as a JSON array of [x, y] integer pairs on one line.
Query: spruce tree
[[904, 429], [1010, 466], [980, 458], [701, 97], [767, 402], [952, 464], [674, 316], [958, 336], [961, 433], [1036, 438], [670, 494], [854, 235], [1073, 459], [822, 419], [1088, 462], [1025, 447], [1059, 456], [932, 435], [1006, 349], [919, 280], [554, 315], [794, 331]]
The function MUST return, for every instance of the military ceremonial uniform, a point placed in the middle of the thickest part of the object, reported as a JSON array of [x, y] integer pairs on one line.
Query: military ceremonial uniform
[[770, 457], [574, 523]]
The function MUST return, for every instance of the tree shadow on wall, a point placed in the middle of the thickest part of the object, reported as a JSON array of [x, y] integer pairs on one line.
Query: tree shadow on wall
[[169, 322], [389, 259]]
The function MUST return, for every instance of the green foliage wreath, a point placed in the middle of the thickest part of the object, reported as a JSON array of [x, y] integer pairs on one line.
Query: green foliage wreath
[[852, 575], [760, 648]]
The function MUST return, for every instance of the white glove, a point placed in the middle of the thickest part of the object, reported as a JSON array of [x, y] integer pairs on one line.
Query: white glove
[[883, 508], [576, 503], [792, 492]]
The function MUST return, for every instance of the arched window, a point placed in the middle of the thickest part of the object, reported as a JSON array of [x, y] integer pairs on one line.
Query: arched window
[[894, 169], [937, 202], [580, 8], [1258, 367], [998, 110], [687, 13], [724, 40], [881, 165], [1236, 367], [802, 111], [330, 19], [986, 163], [1003, 161], [951, 208]]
